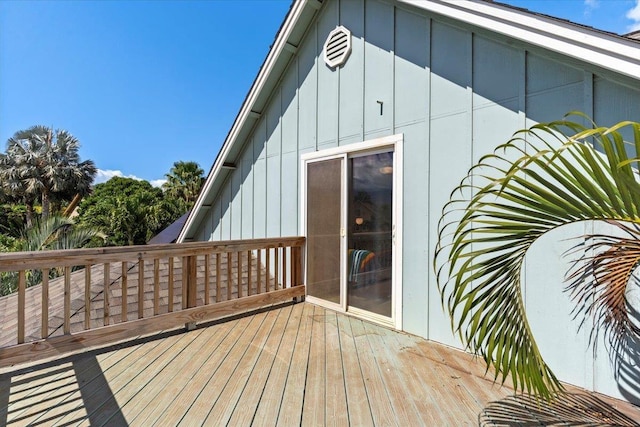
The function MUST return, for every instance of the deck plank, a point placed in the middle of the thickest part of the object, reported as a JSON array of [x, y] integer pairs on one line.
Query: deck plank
[[294, 391], [390, 373], [248, 401], [358, 406], [295, 364], [157, 392], [134, 372], [62, 395], [220, 413], [313, 409], [336, 411], [456, 400], [380, 404], [267, 412], [419, 380], [210, 394], [176, 408]]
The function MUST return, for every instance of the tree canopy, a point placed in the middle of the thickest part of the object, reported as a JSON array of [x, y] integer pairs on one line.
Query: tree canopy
[[184, 182], [128, 211], [42, 165]]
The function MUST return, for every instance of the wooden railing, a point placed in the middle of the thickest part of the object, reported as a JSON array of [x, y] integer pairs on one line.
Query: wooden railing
[[91, 297]]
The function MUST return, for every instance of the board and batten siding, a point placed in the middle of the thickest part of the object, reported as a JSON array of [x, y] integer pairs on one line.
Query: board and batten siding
[[455, 93]]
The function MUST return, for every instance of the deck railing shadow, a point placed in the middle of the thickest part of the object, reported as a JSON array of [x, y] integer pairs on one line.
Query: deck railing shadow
[[570, 409], [75, 381]]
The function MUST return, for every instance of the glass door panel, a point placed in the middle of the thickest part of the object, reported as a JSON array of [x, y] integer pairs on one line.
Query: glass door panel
[[370, 228], [324, 201]]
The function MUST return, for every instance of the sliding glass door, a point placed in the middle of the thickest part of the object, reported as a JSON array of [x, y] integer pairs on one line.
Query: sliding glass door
[[370, 228], [350, 220]]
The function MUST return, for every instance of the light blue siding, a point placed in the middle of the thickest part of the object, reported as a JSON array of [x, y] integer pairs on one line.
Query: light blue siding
[[289, 195], [289, 107], [615, 101], [247, 196], [260, 199], [411, 104], [327, 95], [553, 89], [351, 75], [411, 76], [274, 176], [307, 71], [378, 69], [455, 95], [216, 215], [236, 203], [226, 215]]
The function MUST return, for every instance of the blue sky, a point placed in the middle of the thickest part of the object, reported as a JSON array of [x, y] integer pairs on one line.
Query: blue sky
[[143, 84]]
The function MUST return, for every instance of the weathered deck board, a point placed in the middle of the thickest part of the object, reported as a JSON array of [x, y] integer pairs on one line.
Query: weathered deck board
[[313, 408], [336, 411], [255, 384], [168, 386], [269, 406], [177, 405], [290, 407], [296, 364], [359, 409]]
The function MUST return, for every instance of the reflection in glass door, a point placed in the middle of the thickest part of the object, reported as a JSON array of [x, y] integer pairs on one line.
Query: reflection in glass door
[[370, 228]]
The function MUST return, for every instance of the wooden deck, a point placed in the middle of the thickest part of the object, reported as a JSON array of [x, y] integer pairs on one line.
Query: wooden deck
[[295, 365]]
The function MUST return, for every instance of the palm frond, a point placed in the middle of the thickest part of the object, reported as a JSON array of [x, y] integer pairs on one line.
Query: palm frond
[[543, 178]]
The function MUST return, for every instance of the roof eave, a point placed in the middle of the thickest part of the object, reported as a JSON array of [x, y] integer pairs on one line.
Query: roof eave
[[605, 50]]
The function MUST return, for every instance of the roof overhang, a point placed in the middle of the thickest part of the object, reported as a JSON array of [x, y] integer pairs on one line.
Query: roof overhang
[[607, 51]]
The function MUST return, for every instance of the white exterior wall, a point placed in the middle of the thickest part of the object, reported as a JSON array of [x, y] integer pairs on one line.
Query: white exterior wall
[[455, 93]]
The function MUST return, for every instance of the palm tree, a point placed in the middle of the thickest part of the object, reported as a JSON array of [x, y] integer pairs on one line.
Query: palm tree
[[184, 181], [57, 233], [53, 233], [543, 178], [42, 164]]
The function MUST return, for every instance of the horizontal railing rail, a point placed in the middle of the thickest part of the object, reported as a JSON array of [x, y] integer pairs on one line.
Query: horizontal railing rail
[[75, 299]]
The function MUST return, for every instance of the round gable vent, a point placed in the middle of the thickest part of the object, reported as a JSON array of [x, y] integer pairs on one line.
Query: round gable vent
[[337, 47]]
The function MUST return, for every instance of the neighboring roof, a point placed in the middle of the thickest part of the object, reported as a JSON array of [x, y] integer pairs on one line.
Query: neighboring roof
[[634, 35], [169, 234], [605, 50]]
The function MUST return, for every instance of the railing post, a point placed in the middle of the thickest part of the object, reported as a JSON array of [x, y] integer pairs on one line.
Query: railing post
[[189, 286], [22, 287], [298, 269]]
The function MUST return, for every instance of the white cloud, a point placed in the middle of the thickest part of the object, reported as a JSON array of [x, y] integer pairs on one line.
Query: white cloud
[[157, 182], [634, 15], [589, 6], [105, 175]]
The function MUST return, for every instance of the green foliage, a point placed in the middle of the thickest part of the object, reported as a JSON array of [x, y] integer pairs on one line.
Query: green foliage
[[128, 211], [545, 177], [8, 243], [54, 233], [44, 165], [12, 219], [184, 182]]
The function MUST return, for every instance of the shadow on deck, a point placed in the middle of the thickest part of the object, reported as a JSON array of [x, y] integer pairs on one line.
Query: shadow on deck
[[295, 364]]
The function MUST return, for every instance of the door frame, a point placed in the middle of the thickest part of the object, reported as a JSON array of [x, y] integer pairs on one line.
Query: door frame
[[393, 142]]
